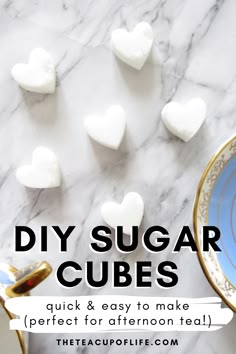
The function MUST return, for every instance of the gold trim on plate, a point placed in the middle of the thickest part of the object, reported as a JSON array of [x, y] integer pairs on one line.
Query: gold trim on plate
[[195, 223]]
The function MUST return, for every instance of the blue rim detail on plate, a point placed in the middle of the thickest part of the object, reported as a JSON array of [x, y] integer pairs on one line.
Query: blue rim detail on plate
[[222, 213], [215, 204]]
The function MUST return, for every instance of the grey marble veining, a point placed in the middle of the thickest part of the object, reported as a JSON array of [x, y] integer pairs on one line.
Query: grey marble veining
[[194, 54]]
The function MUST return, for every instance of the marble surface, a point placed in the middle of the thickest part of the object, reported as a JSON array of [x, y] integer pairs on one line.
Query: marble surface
[[194, 54]]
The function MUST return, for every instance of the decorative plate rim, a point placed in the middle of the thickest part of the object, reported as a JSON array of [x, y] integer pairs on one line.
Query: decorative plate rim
[[195, 222]]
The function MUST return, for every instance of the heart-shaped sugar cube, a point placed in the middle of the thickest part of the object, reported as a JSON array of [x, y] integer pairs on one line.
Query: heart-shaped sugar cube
[[107, 130], [38, 75], [134, 47], [44, 172], [184, 120], [127, 214]]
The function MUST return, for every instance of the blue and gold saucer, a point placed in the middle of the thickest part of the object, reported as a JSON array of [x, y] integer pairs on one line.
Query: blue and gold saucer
[[215, 205]]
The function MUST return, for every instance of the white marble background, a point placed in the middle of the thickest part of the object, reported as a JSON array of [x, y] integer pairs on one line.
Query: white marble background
[[194, 55]]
